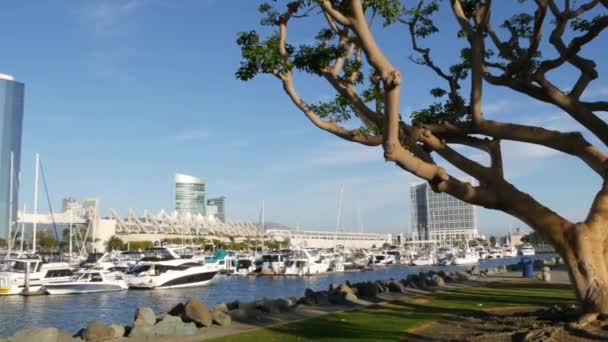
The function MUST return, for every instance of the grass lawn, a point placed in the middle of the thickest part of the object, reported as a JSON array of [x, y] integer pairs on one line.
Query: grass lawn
[[391, 321]]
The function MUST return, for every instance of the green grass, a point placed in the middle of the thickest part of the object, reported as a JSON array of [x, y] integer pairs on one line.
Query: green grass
[[391, 321]]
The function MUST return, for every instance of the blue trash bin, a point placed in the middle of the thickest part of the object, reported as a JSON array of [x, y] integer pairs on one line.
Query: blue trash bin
[[527, 267]]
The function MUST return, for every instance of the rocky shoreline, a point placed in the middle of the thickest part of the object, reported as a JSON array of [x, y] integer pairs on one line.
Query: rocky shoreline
[[194, 319]]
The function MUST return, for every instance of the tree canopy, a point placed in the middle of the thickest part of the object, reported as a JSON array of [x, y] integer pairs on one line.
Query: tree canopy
[[513, 54]]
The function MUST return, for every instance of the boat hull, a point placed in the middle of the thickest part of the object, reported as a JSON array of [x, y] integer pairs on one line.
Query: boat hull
[[188, 280], [63, 289]]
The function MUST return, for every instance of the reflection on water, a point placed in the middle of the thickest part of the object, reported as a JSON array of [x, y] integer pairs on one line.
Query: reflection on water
[[72, 312]]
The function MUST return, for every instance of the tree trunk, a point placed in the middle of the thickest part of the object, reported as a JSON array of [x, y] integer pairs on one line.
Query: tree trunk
[[585, 253]]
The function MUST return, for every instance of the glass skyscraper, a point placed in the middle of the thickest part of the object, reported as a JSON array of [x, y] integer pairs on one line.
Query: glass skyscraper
[[440, 216], [190, 195], [220, 204], [11, 124]]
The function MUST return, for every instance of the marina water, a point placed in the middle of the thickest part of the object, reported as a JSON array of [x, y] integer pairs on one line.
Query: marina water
[[72, 312]]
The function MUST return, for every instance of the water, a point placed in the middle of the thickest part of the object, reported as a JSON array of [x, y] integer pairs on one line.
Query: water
[[72, 312]]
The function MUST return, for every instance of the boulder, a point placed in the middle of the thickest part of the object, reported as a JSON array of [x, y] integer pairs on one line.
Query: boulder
[[351, 298], [62, 336], [220, 317], [144, 316], [269, 306], [142, 331], [249, 307], [119, 330], [462, 276], [97, 331], [36, 334], [322, 298], [178, 310], [222, 307], [285, 304], [311, 296], [232, 305], [475, 270], [240, 315], [343, 289], [437, 280], [174, 326], [368, 290], [395, 286], [196, 312]]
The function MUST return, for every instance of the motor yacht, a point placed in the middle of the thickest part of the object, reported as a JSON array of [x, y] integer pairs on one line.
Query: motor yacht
[[302, 262], [162, 268], [12, 277], [482, 253], [494, 253], [527, 250], [225, 261], [466, 257], [273, 264], [425, 260], [509, 251], [88, 281], [245, 264]]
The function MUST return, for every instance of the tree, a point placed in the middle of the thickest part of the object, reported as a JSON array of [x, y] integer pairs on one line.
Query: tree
[[346, 55], [492, 241], [115, 244], [3, 243]]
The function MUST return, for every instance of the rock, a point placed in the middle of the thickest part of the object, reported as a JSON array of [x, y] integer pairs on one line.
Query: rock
[[196, 312], [222, 307], [232, 305], [239, 315], [343, 289], [62, 336], [437, 280], [249, 307], [269, 306], [144, 316], [220, 317], [141, 331], [119, 330], [395, 286], [178, 310], [174, 326], [322, 298], [36, 334], [475, 270], [311, 296], [502, 268], [97, 331], [285, 304], [462, 276], [368, 290], [332, 286], [351, 298]]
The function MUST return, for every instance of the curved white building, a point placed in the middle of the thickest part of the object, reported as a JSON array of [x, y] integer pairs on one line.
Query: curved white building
[[190, 195]]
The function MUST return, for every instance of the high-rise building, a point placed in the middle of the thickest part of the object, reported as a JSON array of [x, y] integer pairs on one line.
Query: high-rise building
[[11, 124], [220, 207], [91, 206], [71, 206], [440, 216], [190, 195]]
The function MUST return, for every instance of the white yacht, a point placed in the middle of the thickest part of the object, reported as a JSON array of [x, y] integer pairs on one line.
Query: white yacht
[[494, 253], [527, 250], [162, 268], [302, 263], [12, 277], [245, 265], [88, 281], [466, 257], [482, 253], [425, 260], [273, 264], [509, 251]]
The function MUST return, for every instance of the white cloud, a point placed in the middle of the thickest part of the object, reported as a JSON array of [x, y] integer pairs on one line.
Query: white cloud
[[106, 16]]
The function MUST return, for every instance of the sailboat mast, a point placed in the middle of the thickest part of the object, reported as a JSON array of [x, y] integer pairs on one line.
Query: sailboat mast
[[339, 216], [35, 203], [10, 207], [263, 228]]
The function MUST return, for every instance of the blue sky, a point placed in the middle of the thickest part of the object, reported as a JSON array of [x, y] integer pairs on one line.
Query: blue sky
[[120, 95]]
